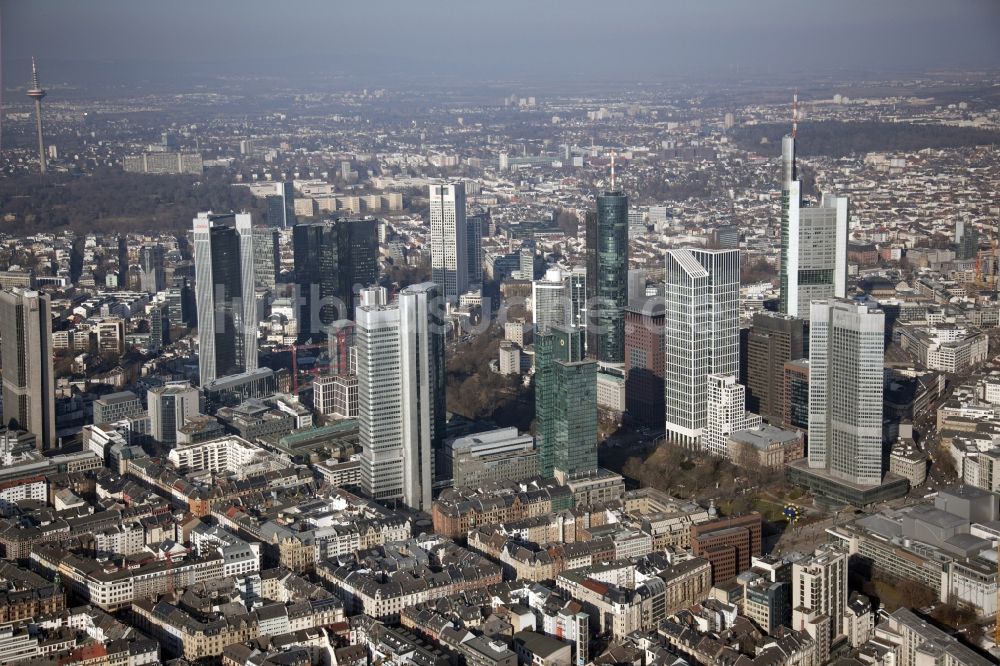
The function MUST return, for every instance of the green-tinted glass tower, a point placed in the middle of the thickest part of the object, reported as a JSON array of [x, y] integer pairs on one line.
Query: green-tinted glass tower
[[611, 278], [565, 403]]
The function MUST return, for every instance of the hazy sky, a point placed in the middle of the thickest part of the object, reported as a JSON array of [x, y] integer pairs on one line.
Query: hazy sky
[[630, 39]]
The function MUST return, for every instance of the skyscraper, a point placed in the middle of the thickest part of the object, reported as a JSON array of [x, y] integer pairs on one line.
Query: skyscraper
[[151, 275], [26, 352], [224, 293], [549, 301], [701, 334], [846, 357], [449, 247], [813, 243], [266, 258], [565, 403], [281, 205], [644, 361], [475, 228], [332, 260], [421, 334], [380, 395], [774, 340], [611, 277], [401, 410]]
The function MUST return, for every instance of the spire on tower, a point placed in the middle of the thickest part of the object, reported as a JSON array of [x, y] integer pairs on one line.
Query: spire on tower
[[795, 114], [612, 171]]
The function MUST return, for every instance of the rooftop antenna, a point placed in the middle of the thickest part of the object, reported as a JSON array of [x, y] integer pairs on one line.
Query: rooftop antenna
[[795, 114], [612, 171]]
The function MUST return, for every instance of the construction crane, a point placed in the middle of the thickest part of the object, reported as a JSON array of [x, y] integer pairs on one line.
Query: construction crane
[[294, 349]]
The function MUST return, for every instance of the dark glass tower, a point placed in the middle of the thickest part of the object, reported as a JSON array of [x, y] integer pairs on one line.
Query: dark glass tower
[[611, 278], [565, 403], [331, 259]]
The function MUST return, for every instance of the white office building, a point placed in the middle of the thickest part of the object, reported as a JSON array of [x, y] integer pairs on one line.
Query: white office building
[[449, 247], [401, 394], [701, 334], [726, 414], [813, 243], [846, 356]]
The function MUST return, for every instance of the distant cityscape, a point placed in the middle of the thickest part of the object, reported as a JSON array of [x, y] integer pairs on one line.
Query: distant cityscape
[[504, 375]]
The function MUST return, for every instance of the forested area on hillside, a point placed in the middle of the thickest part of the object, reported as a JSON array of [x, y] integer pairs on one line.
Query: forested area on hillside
[[112, 200]]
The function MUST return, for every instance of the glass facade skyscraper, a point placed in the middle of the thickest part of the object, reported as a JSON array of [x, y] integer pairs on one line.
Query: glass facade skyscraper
[[565, 403], [224, 292], [610, 277], [332, 259]]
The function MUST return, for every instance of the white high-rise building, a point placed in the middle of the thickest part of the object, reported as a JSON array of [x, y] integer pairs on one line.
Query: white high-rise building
[[449, 247], [819, 595], [813, 243], [401, 394], [224, 295], [549, 301], [726, 414], [380, 410], [701, 334], [846, 358]]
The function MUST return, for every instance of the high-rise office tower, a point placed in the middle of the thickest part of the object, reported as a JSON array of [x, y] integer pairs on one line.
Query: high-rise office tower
[[846, 357], [180, 301], [281, 205], [159, 326], [266, 258], [152, 277], [421, 334], [774, 339], [37, 93], [475, 228], [701, 334], [813, 243], [401, 407], [795, 407], [549, 301], [576, 292], [449, 248], [26, 352], [726, 413], [224, 293], [565, 403], [611, 277], [333, 260], [644, 361], [590, 271], [819, 595], [380, 396], [169, 407]]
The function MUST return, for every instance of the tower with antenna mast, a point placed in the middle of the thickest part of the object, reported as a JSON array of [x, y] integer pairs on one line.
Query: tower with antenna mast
[[36, 93]]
